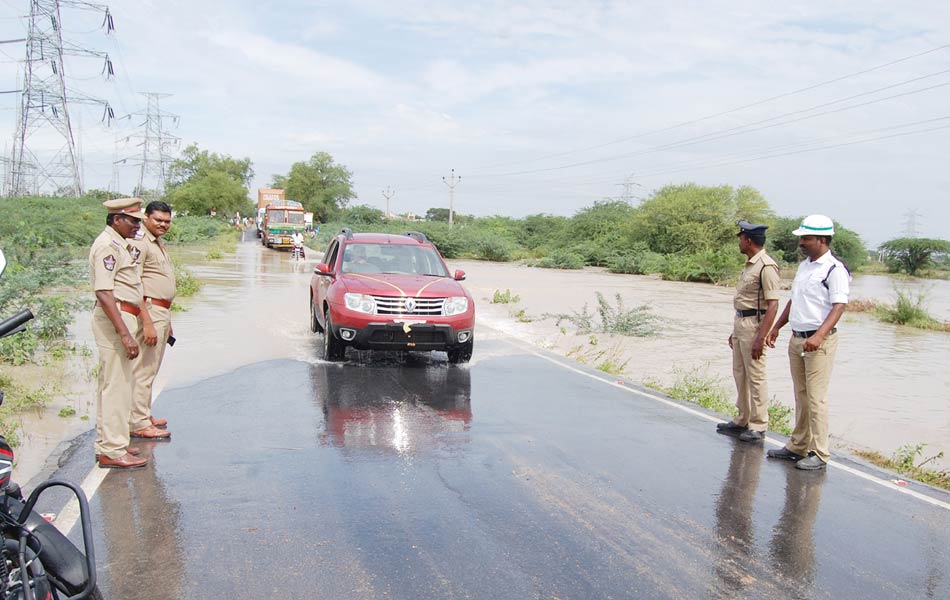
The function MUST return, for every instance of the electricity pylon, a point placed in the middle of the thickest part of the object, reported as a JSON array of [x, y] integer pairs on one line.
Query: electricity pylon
[[43, 114]]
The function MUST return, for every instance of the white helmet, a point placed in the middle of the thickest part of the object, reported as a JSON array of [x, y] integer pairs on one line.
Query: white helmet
[[815, 225]]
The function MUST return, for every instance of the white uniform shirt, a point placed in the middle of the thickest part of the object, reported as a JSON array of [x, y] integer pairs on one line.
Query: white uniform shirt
[[811, 300], [297, 238]]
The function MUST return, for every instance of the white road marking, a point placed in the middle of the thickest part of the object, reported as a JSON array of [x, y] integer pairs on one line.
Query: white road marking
[[69, 516], [881, 482]]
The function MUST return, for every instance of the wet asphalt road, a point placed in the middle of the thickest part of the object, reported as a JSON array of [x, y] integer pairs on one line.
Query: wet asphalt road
[[509, 478]]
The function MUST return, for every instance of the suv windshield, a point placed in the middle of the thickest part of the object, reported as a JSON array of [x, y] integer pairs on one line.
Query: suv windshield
[[392, 258]]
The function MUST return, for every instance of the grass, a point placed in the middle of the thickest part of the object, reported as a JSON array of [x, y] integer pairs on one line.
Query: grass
[[609, 360], [699, 387], [505, 297], [17, 400], [909, 310], [619, 320], [696, 385], [906, 460]]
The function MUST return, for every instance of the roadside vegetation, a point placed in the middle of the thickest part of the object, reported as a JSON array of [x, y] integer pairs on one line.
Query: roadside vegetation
[[696, 385], [909, 461]]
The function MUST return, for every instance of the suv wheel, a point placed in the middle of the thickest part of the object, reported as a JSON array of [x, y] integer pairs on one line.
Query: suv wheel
[[333, 349], [314, 323], [461, 354]]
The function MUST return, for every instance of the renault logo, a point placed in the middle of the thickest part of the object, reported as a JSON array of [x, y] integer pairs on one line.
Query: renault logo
[[410, 305]]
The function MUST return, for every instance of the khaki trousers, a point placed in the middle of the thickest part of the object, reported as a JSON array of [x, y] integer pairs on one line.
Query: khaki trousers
[[147, 365], [114, 397], [810, 377], [753, 390]]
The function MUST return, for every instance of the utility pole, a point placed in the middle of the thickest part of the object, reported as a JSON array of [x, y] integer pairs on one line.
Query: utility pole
[[44, 104], [452, 181], [387, 194]]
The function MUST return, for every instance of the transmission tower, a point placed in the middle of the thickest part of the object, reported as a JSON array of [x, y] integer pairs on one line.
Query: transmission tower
[[910, 223], [43, 114], [387, 194], [156, 144]]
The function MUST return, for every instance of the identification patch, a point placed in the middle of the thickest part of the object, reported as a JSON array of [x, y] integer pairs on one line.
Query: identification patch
[[135, 252], [109, 263]]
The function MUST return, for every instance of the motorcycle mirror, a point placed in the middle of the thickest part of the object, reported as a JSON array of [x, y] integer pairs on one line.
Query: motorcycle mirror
[[3, 262]]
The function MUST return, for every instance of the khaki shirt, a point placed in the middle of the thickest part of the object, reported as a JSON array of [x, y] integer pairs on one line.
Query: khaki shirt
[[759, 267], [158, 273], [112, 266]]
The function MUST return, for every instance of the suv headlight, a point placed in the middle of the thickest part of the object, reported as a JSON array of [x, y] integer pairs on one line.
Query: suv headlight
[[455, 306], [360, 302]]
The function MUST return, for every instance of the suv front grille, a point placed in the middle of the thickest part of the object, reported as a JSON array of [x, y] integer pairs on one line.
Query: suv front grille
[[401, 305]]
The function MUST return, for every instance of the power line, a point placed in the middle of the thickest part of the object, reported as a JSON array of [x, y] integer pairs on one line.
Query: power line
[[729, 111], [729, 132]]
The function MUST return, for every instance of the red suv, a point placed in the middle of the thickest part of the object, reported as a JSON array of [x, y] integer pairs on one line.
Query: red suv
[[377, 291]]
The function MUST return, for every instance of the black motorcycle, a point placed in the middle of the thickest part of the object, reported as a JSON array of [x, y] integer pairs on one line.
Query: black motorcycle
[[38, 562]]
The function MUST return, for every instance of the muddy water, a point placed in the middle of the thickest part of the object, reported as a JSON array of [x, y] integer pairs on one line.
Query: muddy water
[[891, 385]]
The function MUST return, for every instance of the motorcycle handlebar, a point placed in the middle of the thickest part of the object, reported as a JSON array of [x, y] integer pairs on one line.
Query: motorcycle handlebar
[[11, 325]]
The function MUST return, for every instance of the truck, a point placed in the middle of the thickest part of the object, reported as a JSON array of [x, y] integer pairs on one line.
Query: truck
[[282, 218], [264, 197]]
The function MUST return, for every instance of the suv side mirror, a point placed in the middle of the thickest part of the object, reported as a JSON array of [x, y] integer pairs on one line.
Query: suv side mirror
[[459, 275], [322, 269]]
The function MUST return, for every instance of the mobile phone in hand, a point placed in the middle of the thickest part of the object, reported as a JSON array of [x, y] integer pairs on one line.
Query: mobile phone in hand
[[171, 340]]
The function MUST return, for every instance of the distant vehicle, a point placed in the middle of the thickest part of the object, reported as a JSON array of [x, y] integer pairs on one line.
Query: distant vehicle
[[281, 220], [377, 291]]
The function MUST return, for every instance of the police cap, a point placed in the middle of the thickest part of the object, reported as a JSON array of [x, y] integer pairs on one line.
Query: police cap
[[126, 206], [751, 228]]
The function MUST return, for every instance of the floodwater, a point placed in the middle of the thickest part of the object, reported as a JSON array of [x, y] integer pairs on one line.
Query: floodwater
[[888, 388]]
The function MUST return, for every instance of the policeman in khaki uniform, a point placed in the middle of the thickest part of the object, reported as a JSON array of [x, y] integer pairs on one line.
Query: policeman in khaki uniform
[[819, 298], [118, 289], [756, 303], [158, 281]]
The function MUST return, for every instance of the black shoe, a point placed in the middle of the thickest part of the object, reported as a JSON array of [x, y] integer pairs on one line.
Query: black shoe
[[751, 436], [812, 463], [730, 427], [784, 453]]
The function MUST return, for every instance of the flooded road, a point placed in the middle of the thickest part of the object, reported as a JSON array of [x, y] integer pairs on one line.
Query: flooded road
[[517, 476]]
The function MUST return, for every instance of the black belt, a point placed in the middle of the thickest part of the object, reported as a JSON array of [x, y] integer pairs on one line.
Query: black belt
[[808, 334], [749, 312]]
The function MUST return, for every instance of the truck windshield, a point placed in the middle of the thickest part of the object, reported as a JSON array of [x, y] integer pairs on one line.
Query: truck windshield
[[285, 216], [392, 258]]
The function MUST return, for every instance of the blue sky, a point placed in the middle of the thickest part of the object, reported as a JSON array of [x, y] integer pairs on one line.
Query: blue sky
[[539, 106]]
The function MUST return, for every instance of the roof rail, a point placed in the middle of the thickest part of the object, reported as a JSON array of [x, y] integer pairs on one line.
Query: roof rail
[[419, 237], [347, 233]]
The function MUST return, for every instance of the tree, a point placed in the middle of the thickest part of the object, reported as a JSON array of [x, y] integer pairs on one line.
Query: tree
[[692, 218], [323, 187], [363, 215], [215, 190], [195, 163], [202, 180], [911, 255]]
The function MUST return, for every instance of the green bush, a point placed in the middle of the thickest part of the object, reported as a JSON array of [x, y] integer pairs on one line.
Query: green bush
[[562, 259], [505, 297], [493, 248], [710, 266]]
